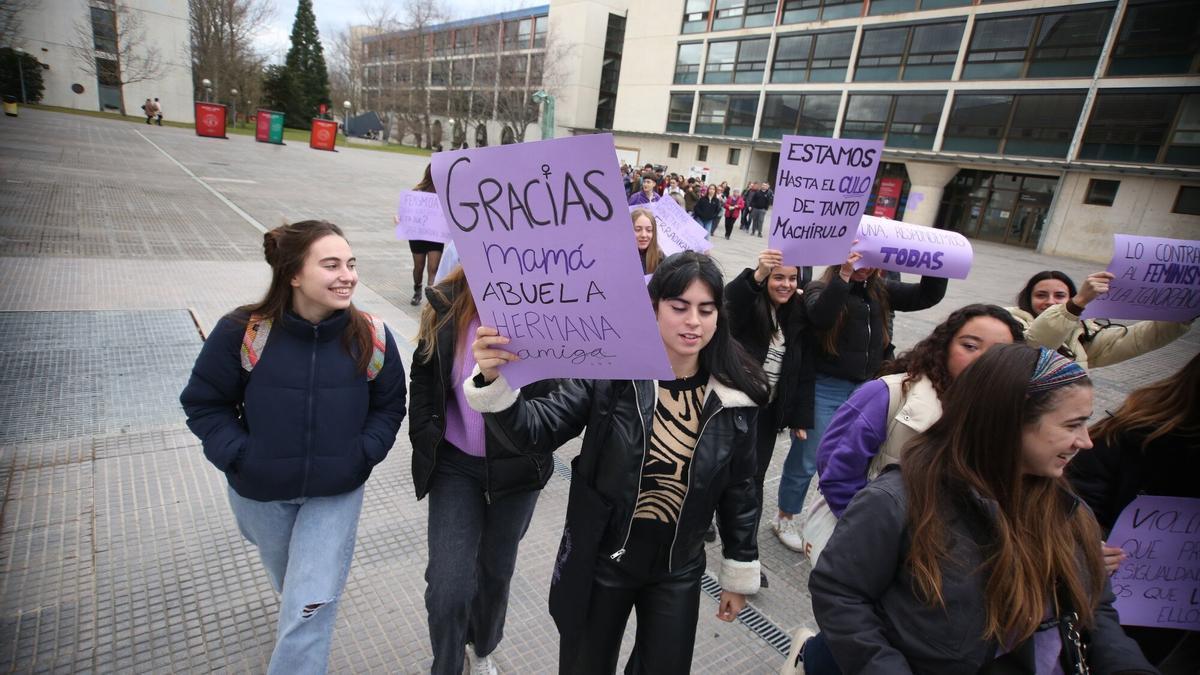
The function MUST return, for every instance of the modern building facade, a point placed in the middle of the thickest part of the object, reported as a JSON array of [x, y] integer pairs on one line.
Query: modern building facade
[[51, 30], [1049, 124]]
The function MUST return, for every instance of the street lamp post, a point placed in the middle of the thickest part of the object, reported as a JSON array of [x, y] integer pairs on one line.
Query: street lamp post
[[233, 93], [21, 72], [346, 119], [207, 84]]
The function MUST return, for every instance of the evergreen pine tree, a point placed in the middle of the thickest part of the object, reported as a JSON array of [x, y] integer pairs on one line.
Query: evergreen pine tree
[[305, 64]]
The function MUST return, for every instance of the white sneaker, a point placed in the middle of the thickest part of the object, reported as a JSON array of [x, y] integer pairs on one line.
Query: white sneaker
[[793, 665], [788, 531], [480, 665]]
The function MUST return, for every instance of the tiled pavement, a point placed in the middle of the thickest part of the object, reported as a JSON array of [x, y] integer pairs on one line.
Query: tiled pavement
[[117, 549]]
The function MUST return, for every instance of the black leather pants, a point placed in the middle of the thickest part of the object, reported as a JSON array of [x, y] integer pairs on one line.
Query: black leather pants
[[667, 605]]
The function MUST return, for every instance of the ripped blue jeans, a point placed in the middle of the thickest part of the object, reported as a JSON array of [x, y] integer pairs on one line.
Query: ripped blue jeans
[[306, 544]]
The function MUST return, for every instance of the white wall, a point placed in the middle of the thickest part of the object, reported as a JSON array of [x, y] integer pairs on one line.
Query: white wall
[[50, 28], [1142, 206], [577, 32]]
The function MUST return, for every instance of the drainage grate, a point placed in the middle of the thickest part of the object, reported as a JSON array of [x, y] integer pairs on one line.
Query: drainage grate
[[752, 619], [748, 617]]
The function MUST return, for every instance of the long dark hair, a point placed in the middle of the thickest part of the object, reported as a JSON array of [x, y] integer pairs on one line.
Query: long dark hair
[[766, 318], [426, 184], [454, 292], [974, 451], [876, 293], [722, 357], [928, 358], [285, 249], [1170, 406], [1024, 298]]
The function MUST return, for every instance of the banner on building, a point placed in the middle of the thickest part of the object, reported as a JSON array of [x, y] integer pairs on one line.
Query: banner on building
[[887, 199], [1155, 278], [544, 235], [904, 247]]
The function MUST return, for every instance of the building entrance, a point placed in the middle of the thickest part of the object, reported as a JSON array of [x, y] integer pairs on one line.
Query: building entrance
[[1001, 207]]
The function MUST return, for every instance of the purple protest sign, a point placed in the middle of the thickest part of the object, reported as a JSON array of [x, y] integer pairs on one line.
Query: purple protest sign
[[904, 247], [820, 191], [544, 235], [419, 218], [677, 231], [1156, 278], [1158, 584]]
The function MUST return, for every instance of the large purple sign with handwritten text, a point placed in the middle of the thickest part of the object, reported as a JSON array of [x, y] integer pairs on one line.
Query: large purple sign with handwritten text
[[677, 231], [1158, 584], [820, 191], [904, 247], [544, 235], [1156, 278], [419, 217]]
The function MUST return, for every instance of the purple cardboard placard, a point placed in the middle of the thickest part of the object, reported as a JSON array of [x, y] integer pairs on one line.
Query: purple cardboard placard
[[820, 190], [1158, 584], [677, 231], [543, 232], [1156, 278], [904, 247], [419, 217]]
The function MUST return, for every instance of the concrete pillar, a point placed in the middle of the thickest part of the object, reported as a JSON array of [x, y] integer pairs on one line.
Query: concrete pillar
[[926, 183]]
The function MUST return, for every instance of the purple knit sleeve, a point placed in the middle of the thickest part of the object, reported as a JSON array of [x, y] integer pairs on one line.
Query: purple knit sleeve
[[850, 443]]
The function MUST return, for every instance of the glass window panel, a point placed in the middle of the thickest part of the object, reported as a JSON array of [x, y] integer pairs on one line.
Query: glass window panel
[[881, 53], [721, 58], [791, 58], [729, 14], [679, 115], [1043, 124], [977, 123], [695, 15], [1068, 45], [742, 111], [998, 47], [752, 61], [780, 114], [1159, 38], [831, 56], [819, 115], [1188, 200], [866, 116], [539, 34], [798, 11], [760, 12], [104, 30], [1184, 146], [891, 6], [915, 121], [687, 63], [840, 9], [711, 117], [1128, 126], [933, 50], [938, 4]]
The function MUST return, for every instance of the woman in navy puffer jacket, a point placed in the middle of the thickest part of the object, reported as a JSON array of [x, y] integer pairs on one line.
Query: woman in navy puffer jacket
[[295, 399]]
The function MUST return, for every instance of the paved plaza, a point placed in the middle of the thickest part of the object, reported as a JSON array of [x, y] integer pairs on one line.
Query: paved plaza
[[119, 244]]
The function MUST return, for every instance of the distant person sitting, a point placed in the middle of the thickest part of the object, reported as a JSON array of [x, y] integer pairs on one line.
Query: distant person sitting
[[647, 195]]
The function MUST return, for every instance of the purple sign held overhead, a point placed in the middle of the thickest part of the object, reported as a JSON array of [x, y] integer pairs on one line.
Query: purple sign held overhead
[[820, 191], [419, 218], [904, 247], [1156, 278], [544, 236], [1158, 584], [676, 230]]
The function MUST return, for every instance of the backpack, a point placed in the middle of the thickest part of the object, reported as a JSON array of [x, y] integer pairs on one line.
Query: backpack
[[258, 328]]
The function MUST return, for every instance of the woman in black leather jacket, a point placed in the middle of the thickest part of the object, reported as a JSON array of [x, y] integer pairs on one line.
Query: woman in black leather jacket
[[666, 456], [481, 494]]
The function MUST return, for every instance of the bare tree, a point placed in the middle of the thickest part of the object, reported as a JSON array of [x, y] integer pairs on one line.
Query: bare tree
[[520, 75], [12, 14], [111, 45], [222, 45]]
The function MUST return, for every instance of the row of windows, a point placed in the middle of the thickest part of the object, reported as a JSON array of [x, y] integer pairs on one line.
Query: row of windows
[[510, 70], [1161, 38], [1144, 127], [528, 33]]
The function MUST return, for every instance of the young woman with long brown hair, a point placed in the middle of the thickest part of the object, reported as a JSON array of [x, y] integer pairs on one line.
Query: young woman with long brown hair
[[295, 398], [1150, 445], [481, 494], [849, 318], [974, 556], [645, 233]]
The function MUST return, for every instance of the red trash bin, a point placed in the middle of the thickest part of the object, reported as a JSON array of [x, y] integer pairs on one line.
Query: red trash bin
[[324, 135], [210, 119]]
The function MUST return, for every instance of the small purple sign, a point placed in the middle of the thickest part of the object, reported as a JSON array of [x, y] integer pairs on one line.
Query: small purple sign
[[543, 233], [1158, 584], [904, 247], [820, 190], [1155, 278], [419, 218], [677, 231]]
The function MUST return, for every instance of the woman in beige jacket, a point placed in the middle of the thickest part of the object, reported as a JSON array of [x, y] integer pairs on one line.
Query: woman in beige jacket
[[1049, 308]]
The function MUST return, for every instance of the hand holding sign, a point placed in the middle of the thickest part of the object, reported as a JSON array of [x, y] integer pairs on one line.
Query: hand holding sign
[[489, 358], [1151, 278], [903, 247]]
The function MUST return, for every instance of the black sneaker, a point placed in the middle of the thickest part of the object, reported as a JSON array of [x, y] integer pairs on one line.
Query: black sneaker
[[416, 298]]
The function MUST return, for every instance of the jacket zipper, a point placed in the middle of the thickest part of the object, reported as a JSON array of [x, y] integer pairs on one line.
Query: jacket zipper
[[867, 363], [616, 557], [312, 373], [687, 487]]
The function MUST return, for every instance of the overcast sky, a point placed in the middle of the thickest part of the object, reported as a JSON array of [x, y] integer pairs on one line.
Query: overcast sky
[[334, 15]]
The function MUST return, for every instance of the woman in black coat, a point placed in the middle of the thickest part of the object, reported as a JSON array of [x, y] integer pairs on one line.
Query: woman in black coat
[[658, 460]]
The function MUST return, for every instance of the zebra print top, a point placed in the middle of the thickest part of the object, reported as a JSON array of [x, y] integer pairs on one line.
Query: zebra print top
[[673, 436]]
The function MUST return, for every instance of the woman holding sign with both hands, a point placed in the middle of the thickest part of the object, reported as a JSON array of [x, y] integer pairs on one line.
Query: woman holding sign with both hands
[[665, 458], [1050, 308]]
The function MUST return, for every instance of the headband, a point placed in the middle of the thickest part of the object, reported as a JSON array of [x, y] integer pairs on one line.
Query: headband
[[1053, 370]]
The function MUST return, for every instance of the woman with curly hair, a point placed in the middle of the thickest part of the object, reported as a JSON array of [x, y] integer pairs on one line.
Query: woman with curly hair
[[870, 430]]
